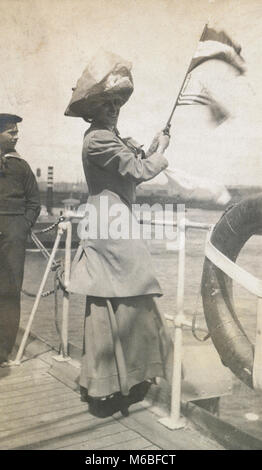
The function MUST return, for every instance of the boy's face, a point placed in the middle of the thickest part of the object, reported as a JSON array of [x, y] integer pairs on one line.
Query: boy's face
[[8, 138]]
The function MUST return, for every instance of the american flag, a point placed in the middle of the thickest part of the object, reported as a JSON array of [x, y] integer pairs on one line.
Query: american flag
[[212, 45]]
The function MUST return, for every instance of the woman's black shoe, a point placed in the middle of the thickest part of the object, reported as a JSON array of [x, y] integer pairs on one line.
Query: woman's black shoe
[[124, 405], [124, 411], [103, 408], [83, 394], [138, 392]]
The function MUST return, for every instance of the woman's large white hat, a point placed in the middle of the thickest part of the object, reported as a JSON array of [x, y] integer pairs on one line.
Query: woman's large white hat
[[106, 76]]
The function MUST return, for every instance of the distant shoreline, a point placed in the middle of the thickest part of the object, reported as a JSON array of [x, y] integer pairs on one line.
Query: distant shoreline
[[237, 193]]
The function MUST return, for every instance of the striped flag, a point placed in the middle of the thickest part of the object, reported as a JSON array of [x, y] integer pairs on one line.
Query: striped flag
[[217, 45], [212, 45]]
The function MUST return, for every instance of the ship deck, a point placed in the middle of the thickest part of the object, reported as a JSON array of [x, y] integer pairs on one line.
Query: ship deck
[[39, 412]]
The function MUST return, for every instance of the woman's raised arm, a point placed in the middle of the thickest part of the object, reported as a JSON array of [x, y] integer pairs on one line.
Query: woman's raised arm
[[104, 149]]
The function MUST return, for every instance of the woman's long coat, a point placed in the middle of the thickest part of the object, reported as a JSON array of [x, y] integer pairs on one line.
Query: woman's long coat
[[105, 266]]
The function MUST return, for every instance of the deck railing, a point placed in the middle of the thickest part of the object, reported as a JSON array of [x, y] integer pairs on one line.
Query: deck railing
[[174, 421], [62, 227]]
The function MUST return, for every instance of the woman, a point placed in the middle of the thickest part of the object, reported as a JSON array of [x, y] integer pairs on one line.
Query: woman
[[125, 340]]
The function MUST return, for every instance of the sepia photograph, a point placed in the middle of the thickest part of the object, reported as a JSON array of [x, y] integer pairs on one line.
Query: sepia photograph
[[130, 228]]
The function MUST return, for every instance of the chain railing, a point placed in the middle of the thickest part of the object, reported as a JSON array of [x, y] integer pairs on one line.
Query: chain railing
[[62, 227]]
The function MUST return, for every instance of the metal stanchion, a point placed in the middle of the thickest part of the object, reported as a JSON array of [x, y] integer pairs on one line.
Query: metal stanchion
[[64, 330], [175, 421], [20, 352]]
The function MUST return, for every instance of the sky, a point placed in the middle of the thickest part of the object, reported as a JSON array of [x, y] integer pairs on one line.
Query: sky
[[46, 44]]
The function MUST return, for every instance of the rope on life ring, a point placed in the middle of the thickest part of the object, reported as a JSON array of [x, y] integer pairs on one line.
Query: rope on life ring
[[230, 234]]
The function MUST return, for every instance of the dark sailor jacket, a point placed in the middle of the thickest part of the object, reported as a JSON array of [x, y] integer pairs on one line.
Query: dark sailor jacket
[[19, 194]]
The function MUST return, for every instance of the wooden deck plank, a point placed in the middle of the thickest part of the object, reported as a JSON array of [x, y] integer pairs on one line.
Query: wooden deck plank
[[35, 393], [47, 357], [38, 412], [152, 448], [30, 441], [74, 442], [17, 379], [142, 421], [44, 397], [40, 431], [138, 443], [45, 434], [30, 366], [103, 441], [25, 423], [31, 388], [30, 383], [53, 403]]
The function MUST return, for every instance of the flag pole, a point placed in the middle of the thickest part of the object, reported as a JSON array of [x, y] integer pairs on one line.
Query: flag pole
[[168, 124]]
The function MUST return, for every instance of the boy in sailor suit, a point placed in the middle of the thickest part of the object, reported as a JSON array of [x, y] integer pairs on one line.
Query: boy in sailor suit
[[19, 209]]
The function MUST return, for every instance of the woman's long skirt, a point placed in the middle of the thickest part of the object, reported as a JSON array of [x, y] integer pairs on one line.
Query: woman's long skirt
[[144, 341]]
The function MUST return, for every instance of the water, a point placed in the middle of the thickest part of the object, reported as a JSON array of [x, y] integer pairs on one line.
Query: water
[[244, 407]]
